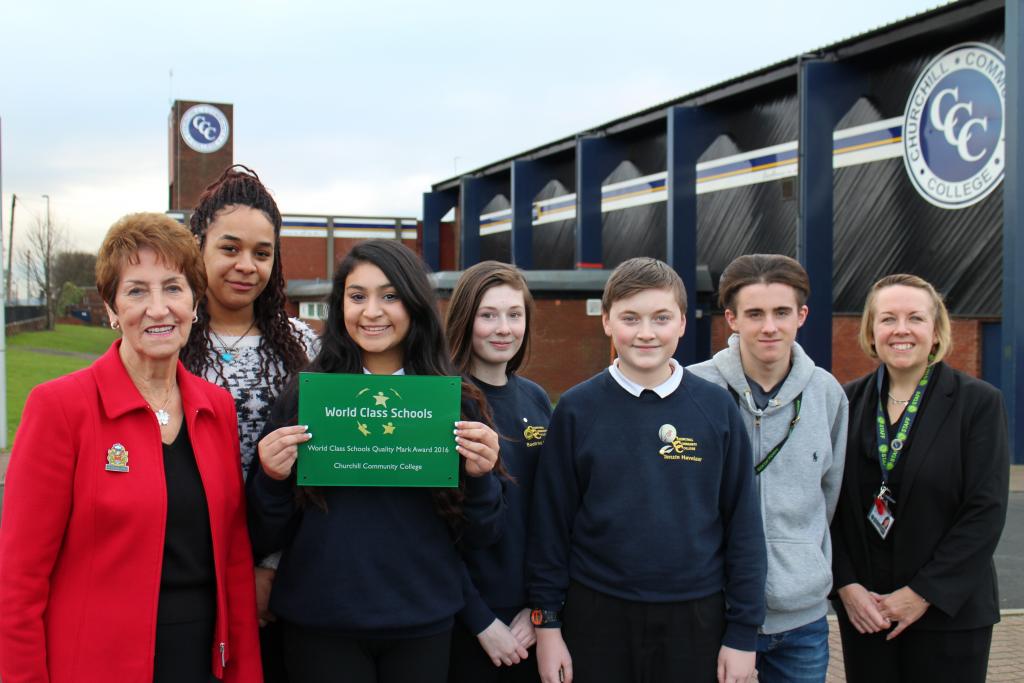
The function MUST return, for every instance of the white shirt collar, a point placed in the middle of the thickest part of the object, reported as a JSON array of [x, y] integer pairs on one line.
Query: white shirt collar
[[399, 371], [662, 390]]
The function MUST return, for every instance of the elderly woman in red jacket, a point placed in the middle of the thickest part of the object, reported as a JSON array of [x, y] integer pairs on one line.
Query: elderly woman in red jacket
[[123, 548]]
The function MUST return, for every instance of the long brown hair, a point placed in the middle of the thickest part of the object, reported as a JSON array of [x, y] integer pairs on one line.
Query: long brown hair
[[465, 301]]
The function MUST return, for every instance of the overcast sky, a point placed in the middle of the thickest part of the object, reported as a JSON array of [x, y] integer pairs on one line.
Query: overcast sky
[[354, 107]]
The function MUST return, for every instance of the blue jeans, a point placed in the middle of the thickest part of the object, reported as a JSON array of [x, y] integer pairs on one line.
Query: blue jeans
[[796, 656]]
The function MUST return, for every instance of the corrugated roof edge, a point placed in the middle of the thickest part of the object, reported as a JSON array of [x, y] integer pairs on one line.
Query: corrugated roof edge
[[955, 10]]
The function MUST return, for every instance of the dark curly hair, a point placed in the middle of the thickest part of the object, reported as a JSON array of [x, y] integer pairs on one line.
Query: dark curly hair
[[425, 350], [239, 185]]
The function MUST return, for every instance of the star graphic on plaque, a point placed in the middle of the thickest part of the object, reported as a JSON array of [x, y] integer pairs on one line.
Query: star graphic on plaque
[[380, 398]]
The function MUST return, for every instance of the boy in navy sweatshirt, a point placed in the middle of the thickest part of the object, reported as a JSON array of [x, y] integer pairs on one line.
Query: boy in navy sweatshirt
[[647, 555]]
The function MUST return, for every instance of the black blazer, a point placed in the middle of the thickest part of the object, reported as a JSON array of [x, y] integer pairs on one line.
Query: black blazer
[[952, 506]]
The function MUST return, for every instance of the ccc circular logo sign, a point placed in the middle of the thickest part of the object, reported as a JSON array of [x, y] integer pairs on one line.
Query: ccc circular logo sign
[[953, 131], [204, 128]]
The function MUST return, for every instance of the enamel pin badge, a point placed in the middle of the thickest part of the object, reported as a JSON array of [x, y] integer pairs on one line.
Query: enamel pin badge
[[117, 459]]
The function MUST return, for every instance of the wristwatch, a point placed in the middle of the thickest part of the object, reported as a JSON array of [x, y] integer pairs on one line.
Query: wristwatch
[[545, 618]]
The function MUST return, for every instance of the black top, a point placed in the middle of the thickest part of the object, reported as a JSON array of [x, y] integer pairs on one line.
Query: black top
[[760, 396], [188, 590], [871, 481], [521, 413], [378, 561], [651, 500], [950, 506]]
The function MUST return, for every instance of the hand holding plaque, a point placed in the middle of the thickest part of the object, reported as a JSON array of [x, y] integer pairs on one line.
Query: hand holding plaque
[[279, 449], [478, 444]]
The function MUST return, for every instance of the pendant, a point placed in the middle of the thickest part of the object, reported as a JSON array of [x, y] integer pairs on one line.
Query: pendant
[[226, 357], [162, 417]]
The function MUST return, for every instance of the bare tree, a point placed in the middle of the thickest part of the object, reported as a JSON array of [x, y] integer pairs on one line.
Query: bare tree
[[45, 240], [76, 267]]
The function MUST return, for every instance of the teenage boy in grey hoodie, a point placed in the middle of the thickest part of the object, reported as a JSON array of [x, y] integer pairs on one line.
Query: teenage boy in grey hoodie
[[797, 416]]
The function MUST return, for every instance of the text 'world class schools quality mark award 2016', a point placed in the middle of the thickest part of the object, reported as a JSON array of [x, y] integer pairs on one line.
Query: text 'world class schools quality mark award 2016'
[[379, 430]]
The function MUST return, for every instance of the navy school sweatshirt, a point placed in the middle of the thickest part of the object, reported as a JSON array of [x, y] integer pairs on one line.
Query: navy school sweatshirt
[[649, 499], [380, 562], [521, 411]]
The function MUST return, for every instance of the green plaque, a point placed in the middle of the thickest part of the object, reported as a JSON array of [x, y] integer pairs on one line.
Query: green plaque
[[379, 430]]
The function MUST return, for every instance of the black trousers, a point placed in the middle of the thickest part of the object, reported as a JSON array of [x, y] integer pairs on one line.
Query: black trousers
[[915, 655], [272, 652], [183, 652], [319, 656], [470, 664], [622, 641]]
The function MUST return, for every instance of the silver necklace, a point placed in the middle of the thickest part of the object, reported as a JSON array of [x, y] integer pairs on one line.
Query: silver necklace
[[898, 401], [163, 418], [227, 353]]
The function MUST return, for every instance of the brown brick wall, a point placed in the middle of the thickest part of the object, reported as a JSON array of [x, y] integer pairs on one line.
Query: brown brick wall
[[304, 258], [568, 346]]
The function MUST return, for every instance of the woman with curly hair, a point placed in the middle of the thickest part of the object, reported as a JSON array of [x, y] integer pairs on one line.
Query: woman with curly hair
[[243, 339]]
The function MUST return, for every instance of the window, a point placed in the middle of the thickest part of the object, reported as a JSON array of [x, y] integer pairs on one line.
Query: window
[[313, 310]]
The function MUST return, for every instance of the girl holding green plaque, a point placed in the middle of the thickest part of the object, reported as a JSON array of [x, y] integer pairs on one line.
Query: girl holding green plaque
[[370, 578], [488, 328]]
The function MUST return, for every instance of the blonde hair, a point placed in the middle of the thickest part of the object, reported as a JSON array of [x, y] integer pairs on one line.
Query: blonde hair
[[943, 332]]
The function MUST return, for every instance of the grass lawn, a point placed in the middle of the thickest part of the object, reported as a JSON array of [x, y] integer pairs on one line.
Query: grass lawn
[[78, 338], [25, 368]]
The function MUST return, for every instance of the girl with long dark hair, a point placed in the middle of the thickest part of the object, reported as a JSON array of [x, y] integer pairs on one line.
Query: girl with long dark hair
[[243, 338], [488, 328], [370, 578]]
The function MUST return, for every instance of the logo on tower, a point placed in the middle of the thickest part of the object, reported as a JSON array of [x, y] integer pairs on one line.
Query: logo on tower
[[953, 126], [204, 128]]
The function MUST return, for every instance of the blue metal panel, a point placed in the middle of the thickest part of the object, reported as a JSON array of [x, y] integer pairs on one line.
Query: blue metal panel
[[596, 158], [691, 130], [528, 178], [826, 91], [435, 206], [474, 194], [1013, 241]]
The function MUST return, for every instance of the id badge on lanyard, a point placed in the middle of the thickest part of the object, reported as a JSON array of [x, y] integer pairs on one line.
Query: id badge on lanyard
[[881, 516]]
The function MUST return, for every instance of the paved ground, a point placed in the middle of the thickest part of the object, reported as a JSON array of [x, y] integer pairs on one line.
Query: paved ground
[[1006, 662]]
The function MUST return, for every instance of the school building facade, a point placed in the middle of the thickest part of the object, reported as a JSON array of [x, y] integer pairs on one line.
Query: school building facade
[[897, 150]]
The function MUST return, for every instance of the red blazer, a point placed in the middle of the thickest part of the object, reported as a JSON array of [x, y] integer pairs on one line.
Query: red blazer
[[81, 547]]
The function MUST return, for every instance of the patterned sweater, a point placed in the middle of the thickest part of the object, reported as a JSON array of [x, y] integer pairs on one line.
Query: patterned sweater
[[254, 392]]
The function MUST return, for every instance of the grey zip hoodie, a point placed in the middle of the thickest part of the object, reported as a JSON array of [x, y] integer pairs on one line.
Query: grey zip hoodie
[[799, 489]]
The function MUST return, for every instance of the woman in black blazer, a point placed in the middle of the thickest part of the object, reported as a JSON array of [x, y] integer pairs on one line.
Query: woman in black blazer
[[923, 500]]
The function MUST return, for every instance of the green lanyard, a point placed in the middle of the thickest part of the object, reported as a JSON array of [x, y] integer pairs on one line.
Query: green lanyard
[[889, 451], [761, 466]]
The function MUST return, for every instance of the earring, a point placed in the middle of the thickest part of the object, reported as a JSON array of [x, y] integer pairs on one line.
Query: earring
[[195, 318], [114, 325]]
